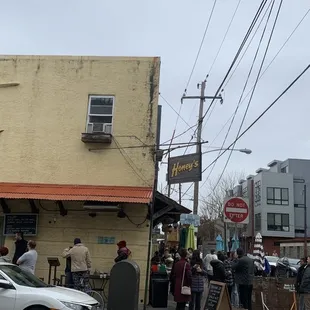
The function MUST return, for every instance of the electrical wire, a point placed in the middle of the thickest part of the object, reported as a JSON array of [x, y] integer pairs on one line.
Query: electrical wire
[[265, 70], [224, 38], [175, 111], [242, 94], [200, 47], [256, 81], [193, 68], [255, 121], [248, 33]]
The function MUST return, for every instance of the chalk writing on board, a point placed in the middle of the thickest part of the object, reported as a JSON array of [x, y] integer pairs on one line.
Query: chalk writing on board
[[26, 223], [214, 296]]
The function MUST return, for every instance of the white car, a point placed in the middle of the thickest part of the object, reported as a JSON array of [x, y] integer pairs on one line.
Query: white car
[[21, 290]]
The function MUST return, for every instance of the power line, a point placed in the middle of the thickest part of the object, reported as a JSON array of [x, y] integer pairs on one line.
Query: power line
[[256, 81], [246, 49], [265, 70], [255, 121], [256, 17], [175, 111], [241, 96], [200, 47], [224, 38], [193, 68]]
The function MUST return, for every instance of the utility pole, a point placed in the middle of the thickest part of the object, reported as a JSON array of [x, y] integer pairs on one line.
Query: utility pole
[[305, 222], [202, 99], [180, 193]]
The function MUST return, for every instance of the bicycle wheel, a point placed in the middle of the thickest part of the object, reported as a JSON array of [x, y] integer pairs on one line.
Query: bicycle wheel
[[99, 298]]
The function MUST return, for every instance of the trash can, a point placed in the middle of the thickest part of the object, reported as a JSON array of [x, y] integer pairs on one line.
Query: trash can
[[159, 290]]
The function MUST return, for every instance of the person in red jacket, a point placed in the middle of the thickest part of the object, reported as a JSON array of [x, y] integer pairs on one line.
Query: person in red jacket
[[123, 252], [181, 270]]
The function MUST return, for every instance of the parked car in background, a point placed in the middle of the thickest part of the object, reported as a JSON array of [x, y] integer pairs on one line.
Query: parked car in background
[[273, 263], [21, 290], [287, 267]]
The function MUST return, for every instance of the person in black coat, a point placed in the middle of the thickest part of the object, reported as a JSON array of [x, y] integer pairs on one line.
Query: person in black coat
[[218, 268], [243, 269], [21, 247]]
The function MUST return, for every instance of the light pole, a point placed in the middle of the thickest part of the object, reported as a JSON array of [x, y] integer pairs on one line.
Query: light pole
[[245, 151]]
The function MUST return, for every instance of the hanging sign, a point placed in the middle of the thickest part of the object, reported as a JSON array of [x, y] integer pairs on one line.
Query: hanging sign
[[190, 219], [184, 169]]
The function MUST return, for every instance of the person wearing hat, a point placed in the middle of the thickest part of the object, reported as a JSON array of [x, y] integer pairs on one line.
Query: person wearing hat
[[123, 252], [80, 265]]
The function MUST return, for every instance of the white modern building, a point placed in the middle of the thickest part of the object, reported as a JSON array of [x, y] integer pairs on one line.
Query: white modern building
[[278, 201]]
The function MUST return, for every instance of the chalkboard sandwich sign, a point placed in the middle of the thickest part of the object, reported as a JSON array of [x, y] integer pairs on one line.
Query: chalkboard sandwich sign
[[218, 297], [26, 223]]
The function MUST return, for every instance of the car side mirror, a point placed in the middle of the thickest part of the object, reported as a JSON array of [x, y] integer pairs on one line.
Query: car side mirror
[[6, 284]]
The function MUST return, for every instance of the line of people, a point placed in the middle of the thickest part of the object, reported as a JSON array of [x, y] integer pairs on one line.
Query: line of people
[[191, 271]]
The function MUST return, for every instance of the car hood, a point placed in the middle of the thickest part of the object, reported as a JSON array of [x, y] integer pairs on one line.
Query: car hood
[[66, 294]]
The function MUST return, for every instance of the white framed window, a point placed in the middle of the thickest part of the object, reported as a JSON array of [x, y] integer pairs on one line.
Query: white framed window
[[100, 114]]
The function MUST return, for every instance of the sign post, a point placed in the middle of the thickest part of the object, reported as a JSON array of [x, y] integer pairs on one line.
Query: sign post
[[236, 210]]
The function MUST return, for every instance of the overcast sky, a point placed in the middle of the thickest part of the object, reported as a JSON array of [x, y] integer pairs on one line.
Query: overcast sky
[[173, 30]]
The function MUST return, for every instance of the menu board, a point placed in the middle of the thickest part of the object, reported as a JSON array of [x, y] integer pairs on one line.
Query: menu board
[[217, 298], [26, 223]]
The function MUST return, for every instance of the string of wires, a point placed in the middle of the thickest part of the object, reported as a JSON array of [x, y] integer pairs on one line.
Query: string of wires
[[243, 43], [243, 91], [193, 69], [255, 121], [265, 70], [255, 84]]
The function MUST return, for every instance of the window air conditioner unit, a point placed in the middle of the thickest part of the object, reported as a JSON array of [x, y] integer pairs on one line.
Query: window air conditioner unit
[[101, 128]]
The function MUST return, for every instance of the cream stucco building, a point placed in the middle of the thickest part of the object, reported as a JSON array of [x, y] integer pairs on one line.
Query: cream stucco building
[[67, 122]]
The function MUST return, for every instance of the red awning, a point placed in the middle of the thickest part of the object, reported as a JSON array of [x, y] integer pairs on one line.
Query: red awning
[[128, 194]]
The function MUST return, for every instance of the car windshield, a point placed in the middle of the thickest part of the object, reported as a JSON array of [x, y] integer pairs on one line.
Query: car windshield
[[272, 259], [293, 261], [22, 277]]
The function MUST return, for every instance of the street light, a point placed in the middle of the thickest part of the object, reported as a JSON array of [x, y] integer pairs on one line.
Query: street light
[[245, 151]]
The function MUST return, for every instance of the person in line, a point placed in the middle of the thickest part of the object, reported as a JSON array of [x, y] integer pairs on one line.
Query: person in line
[[68, 273], [198, 275], [181, 276], [274, 253], [29, 259], [156, 258], [4, 255], [235, 289], [229, 280], [244, 275], [303, 285], [165, 256], [21, 247], [123, 252], [190, 252], [218, 268], [80, 265], [209, 257]]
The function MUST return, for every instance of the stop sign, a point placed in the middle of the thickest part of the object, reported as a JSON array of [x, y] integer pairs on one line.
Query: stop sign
[[236, 210]]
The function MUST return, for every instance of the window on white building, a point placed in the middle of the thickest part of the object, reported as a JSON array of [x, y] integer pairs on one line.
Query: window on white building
[[277, 196], [284, 169], [100, 114], [278, 222], [258, 221], [257, 193], [245, 192]]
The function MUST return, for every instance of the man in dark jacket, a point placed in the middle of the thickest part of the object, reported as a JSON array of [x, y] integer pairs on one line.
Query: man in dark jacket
[[244, 274], [20, 247], [304, 285]]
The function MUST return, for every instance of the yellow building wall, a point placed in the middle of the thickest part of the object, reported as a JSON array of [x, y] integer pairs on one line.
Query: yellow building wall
[[43, 117], [56, 232]]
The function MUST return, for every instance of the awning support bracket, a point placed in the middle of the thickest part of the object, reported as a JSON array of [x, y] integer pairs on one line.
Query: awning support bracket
[[62, 210], [4, 206], [162, 212], [34, 208]]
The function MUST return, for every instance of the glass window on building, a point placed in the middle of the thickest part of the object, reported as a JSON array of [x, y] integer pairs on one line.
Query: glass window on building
[[257, 193], [258, 221], [278, 222], [277, 196]]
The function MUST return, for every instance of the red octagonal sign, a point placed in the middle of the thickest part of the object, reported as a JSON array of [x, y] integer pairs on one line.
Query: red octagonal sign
[[236, 210]]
